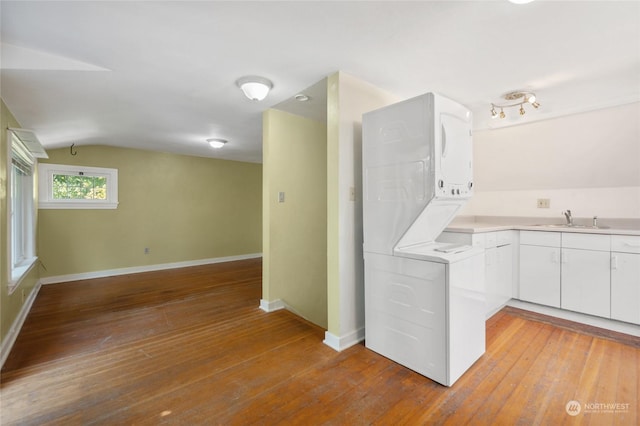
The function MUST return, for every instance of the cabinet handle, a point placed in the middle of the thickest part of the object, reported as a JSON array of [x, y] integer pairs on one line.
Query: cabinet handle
[[614, 262]]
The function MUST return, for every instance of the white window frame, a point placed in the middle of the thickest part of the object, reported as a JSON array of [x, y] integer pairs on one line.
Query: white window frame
[[19, 266], [46, 171]]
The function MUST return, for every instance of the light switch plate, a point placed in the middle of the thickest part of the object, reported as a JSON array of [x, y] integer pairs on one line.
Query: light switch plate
[[281, 197], [544, 203]]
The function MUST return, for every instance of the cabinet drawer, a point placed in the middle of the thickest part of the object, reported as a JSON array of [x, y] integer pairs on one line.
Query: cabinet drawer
[[586, 241], [625, 243], [490, 239], [504, 238], [540, 238], [478, 240]]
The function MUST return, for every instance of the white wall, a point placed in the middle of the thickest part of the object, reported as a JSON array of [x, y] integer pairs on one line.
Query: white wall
[[589, 163], [348, 99]]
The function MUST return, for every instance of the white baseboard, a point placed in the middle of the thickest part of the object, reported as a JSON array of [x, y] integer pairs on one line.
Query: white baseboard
[[334, 342], [343, 342], [274, 305], [12, 335], [147, 268], [608, 324]]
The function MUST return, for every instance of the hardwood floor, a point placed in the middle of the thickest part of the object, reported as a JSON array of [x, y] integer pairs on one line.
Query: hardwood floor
[[190, 346]]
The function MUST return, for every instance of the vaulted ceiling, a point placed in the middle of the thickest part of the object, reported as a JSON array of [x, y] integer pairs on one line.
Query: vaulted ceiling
[[161, 75]]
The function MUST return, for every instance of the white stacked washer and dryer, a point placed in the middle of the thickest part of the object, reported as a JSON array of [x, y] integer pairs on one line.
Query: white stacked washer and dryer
[[424, 300]]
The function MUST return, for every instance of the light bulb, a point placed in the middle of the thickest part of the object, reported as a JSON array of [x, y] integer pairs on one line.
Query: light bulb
[[522, 110], [216, 143], [502, 113], [531, 99]]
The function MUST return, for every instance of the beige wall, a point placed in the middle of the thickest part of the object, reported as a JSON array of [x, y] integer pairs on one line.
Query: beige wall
[[589, 163], [182, 208], [10, 304], [295, 232], [348, 98]]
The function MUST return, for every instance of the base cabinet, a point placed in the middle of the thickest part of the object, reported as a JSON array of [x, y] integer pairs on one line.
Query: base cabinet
[[625, 287], [498, 263], [540, 275], [595, 274], [592, 273], [585, 282]]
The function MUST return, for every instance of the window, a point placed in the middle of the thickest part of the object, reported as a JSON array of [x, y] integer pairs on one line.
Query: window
[[77, 187], [21, 209]]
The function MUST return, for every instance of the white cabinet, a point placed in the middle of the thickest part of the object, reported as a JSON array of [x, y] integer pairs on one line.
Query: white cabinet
[[586, 286], [498, 274], [498, 263], [625, 278], [504, 288], [540, 267], [540, 275], [591, 273], [585, 282]]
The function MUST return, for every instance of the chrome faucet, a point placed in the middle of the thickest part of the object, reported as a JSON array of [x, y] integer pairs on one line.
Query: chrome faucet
[[567, 214]]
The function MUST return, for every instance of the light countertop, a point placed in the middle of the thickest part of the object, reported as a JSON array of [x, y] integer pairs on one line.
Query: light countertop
[[477, 224]]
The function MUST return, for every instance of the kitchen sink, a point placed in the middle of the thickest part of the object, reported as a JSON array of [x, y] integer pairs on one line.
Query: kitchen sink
[[564, 225]]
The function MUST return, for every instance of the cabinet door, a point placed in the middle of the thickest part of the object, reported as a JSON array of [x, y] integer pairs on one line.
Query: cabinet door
[[505, 273], [625, 287], [586, 282], [491, 279], [540, 275]]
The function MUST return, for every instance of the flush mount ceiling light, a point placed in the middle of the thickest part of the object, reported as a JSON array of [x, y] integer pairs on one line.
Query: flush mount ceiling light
[[254, 87], [216, 143], [301, 97], [514, 99]]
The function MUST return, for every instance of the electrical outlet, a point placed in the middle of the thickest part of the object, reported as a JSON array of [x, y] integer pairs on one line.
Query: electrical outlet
[[147, 250], [544, 203]]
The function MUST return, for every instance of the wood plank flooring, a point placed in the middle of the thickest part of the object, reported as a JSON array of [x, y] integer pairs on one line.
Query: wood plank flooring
[[190, 346]]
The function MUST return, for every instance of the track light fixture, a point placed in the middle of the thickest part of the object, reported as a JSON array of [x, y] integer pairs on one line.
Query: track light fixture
[[514, 99]]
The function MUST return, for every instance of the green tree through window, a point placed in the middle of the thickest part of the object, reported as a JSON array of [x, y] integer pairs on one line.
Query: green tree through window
[[78, 187]]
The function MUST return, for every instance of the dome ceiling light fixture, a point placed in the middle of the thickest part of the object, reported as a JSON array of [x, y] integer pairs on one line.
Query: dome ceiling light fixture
[[254, 87], [301, 97], [514, 99], [216, 143]]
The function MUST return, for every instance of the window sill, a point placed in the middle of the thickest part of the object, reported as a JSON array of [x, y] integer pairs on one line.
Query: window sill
[[19, 272], [77, 205]]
